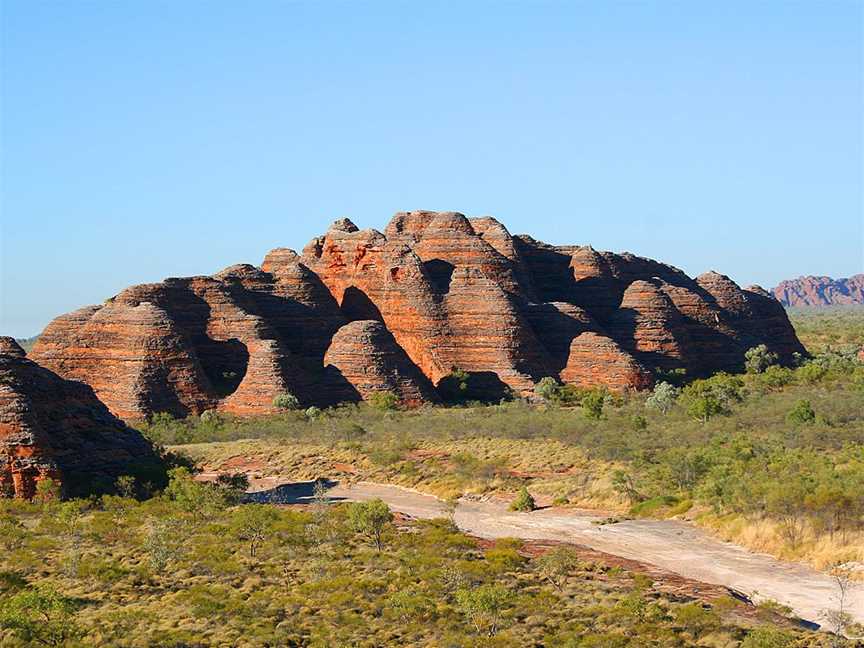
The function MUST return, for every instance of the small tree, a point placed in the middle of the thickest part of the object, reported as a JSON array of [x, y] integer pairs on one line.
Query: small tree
[[663, 397], [523, 502], [125, 486], [13, 533], [713, 396], [624, 484], [839, 618], [383, 400], [40, 615], [233, 486], [370, 519], [801, 413], [484, 606], [192, 496], [210, 417], [775, 377], [592, 403], [759, 358], [253, 523], [47, 491], [70, 521], [547, 389], [557, 564], [164, 541], [286, 401]]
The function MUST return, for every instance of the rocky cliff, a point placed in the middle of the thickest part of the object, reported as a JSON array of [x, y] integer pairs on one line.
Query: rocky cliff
[[361, 311], [821, 291], [58, 429]]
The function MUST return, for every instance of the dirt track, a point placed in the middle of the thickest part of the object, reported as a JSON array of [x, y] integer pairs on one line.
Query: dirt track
[[673, 546]]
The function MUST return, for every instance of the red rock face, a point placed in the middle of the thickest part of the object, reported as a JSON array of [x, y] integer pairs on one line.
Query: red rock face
[[364, 358], [58, 429], [360, 311], [821, 291], [595, 359]]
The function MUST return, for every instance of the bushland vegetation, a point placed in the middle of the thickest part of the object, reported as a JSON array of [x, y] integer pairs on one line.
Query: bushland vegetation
[[192, 567], [773, 458], [834, 327]]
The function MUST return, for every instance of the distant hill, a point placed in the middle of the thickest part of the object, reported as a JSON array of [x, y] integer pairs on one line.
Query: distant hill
[[821, 291], [27, 343]]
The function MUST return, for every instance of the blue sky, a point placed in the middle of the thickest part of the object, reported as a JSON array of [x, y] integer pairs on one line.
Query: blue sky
[[147, 139]]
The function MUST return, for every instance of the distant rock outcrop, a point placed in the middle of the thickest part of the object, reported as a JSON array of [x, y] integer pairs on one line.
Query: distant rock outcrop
[[821, 291], [361, 311], [55, 428]]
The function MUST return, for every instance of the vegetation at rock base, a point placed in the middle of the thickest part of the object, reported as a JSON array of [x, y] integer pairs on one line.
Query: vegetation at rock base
[[286, 401], [189, 568], [772, 459]]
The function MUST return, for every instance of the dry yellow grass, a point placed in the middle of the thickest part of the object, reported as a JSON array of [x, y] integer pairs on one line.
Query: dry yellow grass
[[554, 470], [766, 536]]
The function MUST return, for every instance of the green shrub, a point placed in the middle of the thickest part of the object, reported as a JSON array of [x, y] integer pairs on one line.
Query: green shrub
[[547, 389], [775, 377], [651, 507], [802, 413], [592, 403], [523, 502], [696, 619], [286, 401], [484, 607], [638, 422], [663, 397], [557, 564], [370, 519], [383, 400], [811, 373], [712, 396], [759, 358], [767, 637], [504, 555], [40, 615]]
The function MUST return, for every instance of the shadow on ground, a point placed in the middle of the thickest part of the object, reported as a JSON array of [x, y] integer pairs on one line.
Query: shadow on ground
[[293, 493]]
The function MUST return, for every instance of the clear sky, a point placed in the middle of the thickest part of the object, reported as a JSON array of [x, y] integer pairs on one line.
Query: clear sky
[[144, 139]]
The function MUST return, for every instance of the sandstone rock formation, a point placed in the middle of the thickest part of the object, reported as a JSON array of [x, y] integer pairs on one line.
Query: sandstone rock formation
[[364, 359], [58, 429], [361, 311], [821, 291]]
